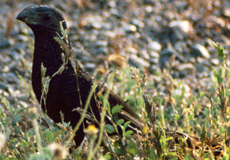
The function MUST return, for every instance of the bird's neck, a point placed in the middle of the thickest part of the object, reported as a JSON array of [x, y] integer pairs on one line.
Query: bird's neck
[[47, 52]]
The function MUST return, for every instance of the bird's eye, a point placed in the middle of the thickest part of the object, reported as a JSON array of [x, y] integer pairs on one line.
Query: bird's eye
[[46, 17]]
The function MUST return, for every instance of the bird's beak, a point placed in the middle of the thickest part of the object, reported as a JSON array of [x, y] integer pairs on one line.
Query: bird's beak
[[27, 15]]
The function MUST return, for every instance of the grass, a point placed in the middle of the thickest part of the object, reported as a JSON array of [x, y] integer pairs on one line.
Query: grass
[[204, 115]]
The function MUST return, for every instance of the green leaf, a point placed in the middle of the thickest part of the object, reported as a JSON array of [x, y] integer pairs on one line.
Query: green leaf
[[128, 133], [168, 139], [116, 109], [107, 157], [139, 101], [109, 128], [120, 122], [48, 135], [126, 124]]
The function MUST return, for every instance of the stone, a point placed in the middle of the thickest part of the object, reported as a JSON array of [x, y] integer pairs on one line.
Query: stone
[[144, 54], [155, 46], [199, 50], [186, 69], [90, 66], [153, 54], [138, 62], [180, 29]]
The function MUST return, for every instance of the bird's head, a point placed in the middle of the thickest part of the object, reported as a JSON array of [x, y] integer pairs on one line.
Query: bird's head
[[42, 18]]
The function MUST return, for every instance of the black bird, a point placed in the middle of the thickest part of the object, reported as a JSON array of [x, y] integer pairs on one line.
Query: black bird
[[66, 91]]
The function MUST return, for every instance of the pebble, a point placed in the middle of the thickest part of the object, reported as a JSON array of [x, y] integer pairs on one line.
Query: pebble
[[186, 69], [181, 47], [138, 62], [115, 12], [102, 50], [154, 60], [96, 25], [23, 38], [111, 3], [215, 61], [148, 9], [183, 25], [153, 54], [153, 69], [90, 66], [167, 52], [130, 28], [226, 12], [132, 50], [138, 23], [98, 44], [4, 87], [165, 57], [199, 50], [144, 54], [4, 43], [155, 46], [11, 78], [226, 8], [180, 29]]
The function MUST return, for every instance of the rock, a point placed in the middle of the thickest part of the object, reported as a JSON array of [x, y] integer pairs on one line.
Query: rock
[[106, 26], [226, 8], [6, 69], [115, 12], [181, 47], [181, 29], [132, 50], [167, 52], [110, 34], [138, 62], [96, 25], [148, 9], [186, 69], [153, 54], [90, 66], [98, 44], [139, 24], [165, 57], [155, 46], [226, 12], [183, 25], [84, 59], [199, 50], [12, 78], [144, 54], [201, 68], [215, 61], [4, 43], [23, 38], [112, 4], [130, 28], [154, 60], [153, 69], [4, 87], [102, 50]]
